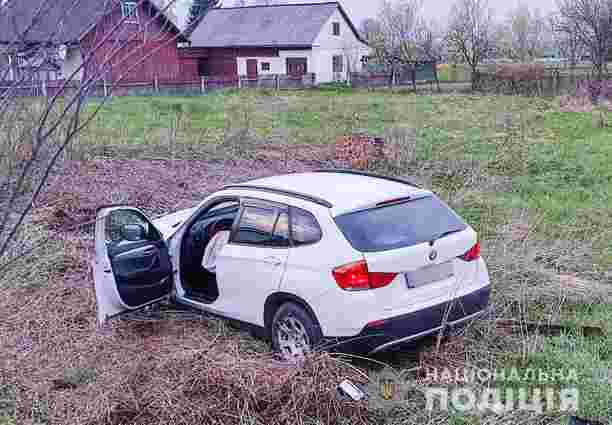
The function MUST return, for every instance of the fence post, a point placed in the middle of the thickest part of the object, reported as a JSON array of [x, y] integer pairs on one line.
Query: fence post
[[156, 83], [277, 82], [44, 87], [239, 81], [203, 84], [105, 88]]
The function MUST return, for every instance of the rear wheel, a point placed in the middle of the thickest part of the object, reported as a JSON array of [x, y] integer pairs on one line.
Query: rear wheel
[[294, 331]]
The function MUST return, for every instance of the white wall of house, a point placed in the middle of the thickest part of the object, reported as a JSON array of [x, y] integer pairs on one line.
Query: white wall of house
[[347, 45], [72, 62]]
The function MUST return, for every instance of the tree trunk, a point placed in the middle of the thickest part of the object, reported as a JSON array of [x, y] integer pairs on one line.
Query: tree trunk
[[475, 78], [598, 68]]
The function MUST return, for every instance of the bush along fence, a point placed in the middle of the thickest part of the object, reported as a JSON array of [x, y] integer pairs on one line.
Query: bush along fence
[[532, 80]]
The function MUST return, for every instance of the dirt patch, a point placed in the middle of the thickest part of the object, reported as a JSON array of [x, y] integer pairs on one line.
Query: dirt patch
[[157, 187]]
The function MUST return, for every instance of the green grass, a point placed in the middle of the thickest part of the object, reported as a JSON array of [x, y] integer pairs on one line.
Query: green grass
[[569, 361]]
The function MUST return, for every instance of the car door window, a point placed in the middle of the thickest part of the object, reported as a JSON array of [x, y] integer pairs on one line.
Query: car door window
[[262, 226], [116, 220], [281, 230]]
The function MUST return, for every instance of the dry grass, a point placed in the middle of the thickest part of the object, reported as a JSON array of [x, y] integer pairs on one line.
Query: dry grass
[[183, 372]]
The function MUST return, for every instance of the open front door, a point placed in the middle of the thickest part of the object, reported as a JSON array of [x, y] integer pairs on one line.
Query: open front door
[[132, 266]]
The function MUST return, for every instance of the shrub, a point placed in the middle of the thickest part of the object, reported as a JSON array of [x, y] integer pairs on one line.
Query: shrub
[[520, 79], [594, 89], [520, 72]]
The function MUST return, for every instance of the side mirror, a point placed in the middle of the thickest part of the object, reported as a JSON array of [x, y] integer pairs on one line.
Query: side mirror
[[133, 232]]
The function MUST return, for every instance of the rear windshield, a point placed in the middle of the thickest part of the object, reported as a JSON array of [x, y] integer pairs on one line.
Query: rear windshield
[[399, 225]]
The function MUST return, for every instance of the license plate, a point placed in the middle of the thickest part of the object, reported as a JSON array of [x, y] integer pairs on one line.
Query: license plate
[[429, 274]]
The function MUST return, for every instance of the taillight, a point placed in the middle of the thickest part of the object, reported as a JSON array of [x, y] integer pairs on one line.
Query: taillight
[[357, 277], [472, 254]]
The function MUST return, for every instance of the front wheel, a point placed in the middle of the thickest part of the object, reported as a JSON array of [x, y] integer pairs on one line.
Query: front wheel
[[294, 331]]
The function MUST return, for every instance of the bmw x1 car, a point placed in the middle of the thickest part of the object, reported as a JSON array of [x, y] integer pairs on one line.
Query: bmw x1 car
[[367, 261]]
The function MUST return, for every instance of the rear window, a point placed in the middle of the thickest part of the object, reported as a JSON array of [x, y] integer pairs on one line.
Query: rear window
[[399, 225]]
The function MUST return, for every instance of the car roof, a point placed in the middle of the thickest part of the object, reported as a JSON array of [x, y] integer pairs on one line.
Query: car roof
[[344, 191]]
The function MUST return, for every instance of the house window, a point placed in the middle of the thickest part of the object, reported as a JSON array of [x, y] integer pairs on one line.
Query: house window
[[297, 66], [265, 66], [337, 64], [129, 9], [336, 28]]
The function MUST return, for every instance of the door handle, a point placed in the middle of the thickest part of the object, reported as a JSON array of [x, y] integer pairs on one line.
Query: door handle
[[149, 251], [273, 261]]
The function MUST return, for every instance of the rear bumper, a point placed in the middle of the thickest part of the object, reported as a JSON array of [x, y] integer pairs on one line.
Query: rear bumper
[[410, 327]]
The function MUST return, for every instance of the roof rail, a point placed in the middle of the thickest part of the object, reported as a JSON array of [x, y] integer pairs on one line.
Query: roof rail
[[366, 174], [289, 193]]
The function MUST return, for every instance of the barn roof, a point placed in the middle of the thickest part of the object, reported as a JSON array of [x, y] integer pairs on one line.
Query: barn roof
[[56, 22], [283, 25]]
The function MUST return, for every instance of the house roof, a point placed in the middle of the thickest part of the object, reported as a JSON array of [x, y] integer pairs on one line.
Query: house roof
[[283, 25], [55, 22]]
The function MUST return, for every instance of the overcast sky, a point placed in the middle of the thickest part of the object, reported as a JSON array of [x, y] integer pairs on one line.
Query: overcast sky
[[438, 9], [433, 9]]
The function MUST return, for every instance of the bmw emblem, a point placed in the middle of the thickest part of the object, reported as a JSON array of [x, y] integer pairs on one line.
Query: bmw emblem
[[433, 255]]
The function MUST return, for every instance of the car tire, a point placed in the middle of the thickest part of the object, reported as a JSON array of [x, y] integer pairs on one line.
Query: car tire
[[294, 331]]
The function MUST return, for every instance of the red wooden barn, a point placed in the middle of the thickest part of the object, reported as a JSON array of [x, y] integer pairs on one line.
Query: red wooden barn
[[128, 41]]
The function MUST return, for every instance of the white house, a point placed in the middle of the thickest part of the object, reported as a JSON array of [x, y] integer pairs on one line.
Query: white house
[[294, 39]]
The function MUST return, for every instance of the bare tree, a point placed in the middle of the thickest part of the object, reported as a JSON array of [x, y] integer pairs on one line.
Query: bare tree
[[430, 40], [396, 43], [369, 28], [567, 41], [524, 34], [471, 34], [38, 124], [589, 22]]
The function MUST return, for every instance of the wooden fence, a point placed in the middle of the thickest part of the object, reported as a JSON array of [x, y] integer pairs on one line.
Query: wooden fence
[[552, 84], [157, 86]]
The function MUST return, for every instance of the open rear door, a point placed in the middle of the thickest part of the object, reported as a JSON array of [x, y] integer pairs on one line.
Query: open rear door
[[132, 266]]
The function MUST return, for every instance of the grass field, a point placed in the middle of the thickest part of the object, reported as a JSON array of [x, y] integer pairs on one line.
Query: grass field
[[536, 183], [558, 163]]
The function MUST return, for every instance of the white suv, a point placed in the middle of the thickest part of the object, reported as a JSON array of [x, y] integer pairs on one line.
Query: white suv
[[366, 261]]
